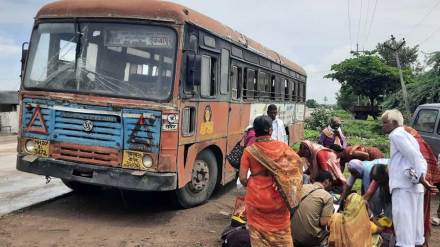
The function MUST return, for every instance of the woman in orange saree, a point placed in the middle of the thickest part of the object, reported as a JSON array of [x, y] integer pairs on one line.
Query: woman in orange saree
[[272, 189]]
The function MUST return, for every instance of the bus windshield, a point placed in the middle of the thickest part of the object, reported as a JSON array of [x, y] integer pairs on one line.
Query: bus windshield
[[123, 60]]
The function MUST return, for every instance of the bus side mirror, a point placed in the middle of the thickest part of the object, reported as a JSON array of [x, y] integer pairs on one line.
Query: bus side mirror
[[194, 70], [24, 54]]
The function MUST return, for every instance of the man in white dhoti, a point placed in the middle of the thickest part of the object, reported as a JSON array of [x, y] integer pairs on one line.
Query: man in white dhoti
[[407, 169], [278, 129]]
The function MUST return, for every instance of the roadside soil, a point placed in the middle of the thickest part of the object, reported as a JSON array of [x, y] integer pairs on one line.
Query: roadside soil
[[126, 219], [118, 218]]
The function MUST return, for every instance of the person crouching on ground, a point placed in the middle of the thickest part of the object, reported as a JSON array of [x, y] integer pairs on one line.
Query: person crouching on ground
[[407, 169], [321, 159], [310, 219], [272, 188], [352, 227]]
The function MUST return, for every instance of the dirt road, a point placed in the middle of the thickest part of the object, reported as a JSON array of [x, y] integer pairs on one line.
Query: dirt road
[[112, 218]]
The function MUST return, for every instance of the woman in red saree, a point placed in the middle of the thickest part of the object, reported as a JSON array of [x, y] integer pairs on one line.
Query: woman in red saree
[[432, 177], [273, 187], [321, 158]]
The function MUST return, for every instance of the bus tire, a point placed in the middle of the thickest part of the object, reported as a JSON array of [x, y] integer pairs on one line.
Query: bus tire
[[203, 181], [81, 187]]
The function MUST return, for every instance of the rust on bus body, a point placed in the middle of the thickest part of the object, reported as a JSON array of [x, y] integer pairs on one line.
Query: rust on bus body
[[159, 11]]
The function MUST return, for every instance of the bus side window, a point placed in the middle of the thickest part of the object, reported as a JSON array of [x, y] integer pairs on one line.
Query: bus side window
[[272, 87], [208, 83], [278, 89], [188, 121], [234, 82], [297, 92], [224, 88], [292, 91], [287, 90], [261, 87], [250, 83], [304, 92]]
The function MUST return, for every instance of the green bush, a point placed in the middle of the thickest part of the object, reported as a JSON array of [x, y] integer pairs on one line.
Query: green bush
[[365, 132], [318, 119]]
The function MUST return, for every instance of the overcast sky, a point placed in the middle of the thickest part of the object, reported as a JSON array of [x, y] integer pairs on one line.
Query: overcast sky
[[313, 33]]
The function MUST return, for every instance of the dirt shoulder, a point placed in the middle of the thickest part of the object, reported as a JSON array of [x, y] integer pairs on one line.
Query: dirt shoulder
[[118, 219]]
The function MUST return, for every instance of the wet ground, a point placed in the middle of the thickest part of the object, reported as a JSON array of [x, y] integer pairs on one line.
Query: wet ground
[[19, 189]]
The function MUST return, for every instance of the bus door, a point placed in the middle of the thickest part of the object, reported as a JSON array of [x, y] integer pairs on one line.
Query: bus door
[[235, 116]]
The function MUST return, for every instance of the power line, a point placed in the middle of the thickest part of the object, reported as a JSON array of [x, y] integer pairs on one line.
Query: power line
[[371, 22], [359, 26], [367, 14], [349, 21], [423, 18], [429, 36]]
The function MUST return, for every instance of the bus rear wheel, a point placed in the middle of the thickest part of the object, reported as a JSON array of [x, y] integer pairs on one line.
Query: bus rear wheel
[[203, 181], [81, 187]]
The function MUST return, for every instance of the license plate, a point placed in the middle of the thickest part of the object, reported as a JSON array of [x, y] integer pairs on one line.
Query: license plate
[[133, 160], [41, 148]]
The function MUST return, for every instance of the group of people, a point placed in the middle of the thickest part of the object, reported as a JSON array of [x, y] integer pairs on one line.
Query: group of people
[[291, 197]]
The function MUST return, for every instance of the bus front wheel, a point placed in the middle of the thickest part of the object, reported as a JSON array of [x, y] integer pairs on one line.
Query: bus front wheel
[[203, 181]]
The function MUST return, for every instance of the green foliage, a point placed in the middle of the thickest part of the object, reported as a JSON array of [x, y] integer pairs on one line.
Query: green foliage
[[318, 119], [434, 61], [364, 132], [342, 114], [311, 103], [366, 75], [407, 55], [425, 89]]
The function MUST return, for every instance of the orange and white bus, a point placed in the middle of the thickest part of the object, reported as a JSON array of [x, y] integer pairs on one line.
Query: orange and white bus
[[145, 95]]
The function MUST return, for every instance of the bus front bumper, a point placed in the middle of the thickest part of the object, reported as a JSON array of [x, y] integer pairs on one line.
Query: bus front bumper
[[98, 175]]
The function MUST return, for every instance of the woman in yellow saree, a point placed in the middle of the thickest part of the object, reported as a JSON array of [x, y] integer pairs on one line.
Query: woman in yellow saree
[[352, 227]]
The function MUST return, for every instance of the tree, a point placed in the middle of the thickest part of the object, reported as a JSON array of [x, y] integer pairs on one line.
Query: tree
[[311, 103], [345, 98], [434, 61], [425, 89], [366, 75], [407, 55]]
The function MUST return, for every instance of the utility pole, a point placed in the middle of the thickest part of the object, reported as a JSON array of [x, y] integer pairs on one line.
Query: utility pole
[[395, 48]]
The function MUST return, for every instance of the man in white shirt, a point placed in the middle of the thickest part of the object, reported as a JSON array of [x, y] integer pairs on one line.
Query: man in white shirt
[[407, 169], [278, 129]]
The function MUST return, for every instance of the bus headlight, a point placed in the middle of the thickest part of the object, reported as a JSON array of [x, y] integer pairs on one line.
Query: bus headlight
[[147, 161], [29, 146]]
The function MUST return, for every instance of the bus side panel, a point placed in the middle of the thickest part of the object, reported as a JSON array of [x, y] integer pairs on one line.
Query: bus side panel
[[235, 133], [168, 151], [296, 132], [212, 120], [185, 166]]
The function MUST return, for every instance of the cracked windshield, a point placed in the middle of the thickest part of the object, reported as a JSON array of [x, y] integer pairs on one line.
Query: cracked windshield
[[102, 58]]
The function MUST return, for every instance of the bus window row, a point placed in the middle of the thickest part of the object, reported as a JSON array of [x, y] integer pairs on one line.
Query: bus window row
[[246, 82]]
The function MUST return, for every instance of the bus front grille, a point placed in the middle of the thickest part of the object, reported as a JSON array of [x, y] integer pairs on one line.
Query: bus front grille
[[86, 154]]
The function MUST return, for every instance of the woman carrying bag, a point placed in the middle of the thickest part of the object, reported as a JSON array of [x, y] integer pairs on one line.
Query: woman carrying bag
[[273, 188]]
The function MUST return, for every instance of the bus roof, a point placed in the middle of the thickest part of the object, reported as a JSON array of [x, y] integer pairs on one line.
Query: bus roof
[[158, 10]]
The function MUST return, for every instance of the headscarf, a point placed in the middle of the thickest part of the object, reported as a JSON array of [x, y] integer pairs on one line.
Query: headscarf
[[352, 227], [357, 166], [339, 140]]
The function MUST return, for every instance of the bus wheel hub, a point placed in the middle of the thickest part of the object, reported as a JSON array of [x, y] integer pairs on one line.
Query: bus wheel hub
[[200, 176]]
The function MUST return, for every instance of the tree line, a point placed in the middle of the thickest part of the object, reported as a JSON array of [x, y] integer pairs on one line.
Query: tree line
[[372, 78]]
